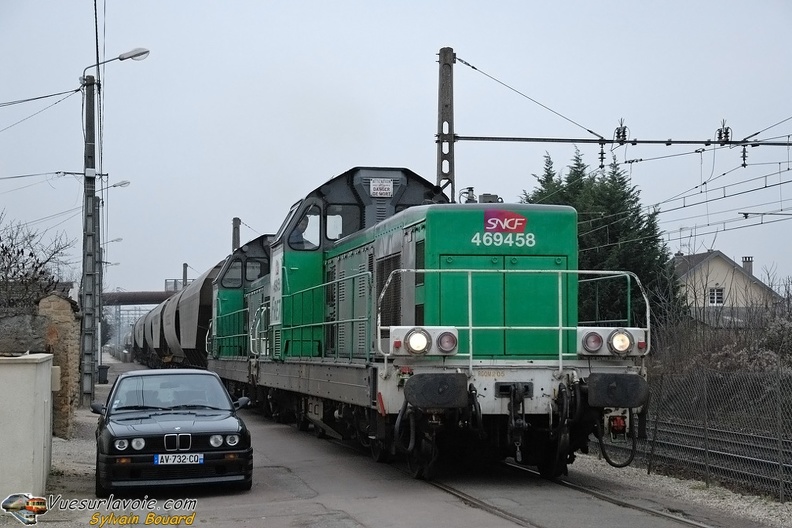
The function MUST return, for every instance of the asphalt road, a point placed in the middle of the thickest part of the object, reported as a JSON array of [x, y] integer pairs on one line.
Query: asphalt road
[[300, 481]]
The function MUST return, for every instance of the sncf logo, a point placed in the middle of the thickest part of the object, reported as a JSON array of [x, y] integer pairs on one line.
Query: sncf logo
[[497, 221]]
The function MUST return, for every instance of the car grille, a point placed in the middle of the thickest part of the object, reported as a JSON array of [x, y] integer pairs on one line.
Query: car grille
[[177, 442]]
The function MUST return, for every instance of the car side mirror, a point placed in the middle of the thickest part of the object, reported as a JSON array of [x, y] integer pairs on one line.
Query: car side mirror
[[242, 402], [97, 408]]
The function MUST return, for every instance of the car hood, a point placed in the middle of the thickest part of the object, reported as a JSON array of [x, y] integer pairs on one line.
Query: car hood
[[153, 423]]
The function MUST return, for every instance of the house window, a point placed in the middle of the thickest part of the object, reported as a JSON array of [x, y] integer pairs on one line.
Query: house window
[[716, 296]]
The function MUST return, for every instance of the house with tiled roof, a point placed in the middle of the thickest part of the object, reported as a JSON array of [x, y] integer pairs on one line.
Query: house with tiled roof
[[723, 293]]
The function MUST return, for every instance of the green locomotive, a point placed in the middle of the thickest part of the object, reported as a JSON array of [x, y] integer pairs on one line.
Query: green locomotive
[[382, 312]]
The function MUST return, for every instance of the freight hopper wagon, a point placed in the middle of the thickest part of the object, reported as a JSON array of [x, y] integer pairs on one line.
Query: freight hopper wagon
[[415, 325]]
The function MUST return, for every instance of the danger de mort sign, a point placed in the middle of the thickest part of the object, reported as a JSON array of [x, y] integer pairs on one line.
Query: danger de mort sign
[[381, 188]]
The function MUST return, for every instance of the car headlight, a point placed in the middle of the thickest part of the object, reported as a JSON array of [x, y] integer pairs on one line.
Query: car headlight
[[620, 342], [417, 341], [216, 440], [138, 444], [446, 342], [592, 342], [232, 440], [121, 444]]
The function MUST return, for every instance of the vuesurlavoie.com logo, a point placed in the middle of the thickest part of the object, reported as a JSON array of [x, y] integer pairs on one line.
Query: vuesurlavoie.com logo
[[24, 507]]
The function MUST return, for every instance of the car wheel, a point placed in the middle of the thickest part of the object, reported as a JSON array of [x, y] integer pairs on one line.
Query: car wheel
[[101, 491]]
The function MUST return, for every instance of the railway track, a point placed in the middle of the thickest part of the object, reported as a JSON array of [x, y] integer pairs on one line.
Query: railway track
[[474, 486], [615, 500], [528, 519], [754, 462]]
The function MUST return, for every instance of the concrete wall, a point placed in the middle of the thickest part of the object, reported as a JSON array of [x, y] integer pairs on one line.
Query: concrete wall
[[26, 418], [55, 330]]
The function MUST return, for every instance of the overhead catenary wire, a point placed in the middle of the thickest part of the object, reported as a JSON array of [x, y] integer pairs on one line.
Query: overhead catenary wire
[[562, 116]]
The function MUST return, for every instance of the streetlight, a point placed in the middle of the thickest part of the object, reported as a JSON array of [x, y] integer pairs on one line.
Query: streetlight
[[91, 284]]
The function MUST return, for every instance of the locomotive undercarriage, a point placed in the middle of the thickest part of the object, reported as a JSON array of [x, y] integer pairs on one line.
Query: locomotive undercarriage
[[424, 435]]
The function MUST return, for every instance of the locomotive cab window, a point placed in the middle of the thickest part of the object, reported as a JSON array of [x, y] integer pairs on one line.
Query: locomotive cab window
[[305, 233], [255, 269], [233, 275], [342, 220]]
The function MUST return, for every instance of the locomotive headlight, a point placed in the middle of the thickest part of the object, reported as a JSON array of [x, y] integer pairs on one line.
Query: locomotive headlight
[[446, 342], [418, 341], [592, 342], [620, 342]]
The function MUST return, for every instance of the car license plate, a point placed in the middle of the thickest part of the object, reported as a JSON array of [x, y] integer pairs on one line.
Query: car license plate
[[179, 458]]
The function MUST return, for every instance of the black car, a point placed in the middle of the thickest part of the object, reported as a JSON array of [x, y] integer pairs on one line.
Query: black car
[[171, 427]]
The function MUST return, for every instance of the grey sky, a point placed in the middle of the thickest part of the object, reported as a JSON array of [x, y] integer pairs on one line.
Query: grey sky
[[243, 107]]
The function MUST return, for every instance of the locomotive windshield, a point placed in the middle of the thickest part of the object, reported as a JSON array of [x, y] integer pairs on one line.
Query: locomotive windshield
[[305, 235], [286, 221]]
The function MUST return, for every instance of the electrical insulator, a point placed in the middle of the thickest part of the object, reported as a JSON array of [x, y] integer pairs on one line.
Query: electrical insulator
[[621, 132], [744, 157], [467, 195]]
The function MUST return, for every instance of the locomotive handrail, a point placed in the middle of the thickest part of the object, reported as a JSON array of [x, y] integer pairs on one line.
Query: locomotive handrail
[[629, 298], [560, 328], [255, 331], [231, 341], [365, 319]]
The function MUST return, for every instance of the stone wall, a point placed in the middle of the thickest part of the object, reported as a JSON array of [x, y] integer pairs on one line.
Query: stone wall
[[54, 330], [62, 340]]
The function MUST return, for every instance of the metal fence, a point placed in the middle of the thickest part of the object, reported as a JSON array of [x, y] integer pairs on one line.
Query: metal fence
[[727, 428]]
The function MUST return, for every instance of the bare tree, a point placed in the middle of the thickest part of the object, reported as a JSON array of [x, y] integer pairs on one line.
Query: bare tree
[[29, 265]]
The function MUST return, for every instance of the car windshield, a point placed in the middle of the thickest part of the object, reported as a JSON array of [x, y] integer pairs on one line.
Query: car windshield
[[166, 392]]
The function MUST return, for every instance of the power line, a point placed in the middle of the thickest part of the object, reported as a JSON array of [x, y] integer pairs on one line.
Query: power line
[[40, 111], [30, 99], [679, 238], [32, 175]]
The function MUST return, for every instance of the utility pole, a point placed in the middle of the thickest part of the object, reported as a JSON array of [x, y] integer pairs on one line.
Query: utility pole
[[445, 122], [91, 285], [236, 222]]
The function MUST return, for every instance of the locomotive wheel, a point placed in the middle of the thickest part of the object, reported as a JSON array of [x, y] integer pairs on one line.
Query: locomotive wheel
[[277, 413], [319, 432], [263, 402], [302, 422], [553, 463], [380, 451], [421, 460]]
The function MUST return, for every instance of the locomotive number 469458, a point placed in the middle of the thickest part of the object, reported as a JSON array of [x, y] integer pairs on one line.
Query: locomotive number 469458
[[501, 239]]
